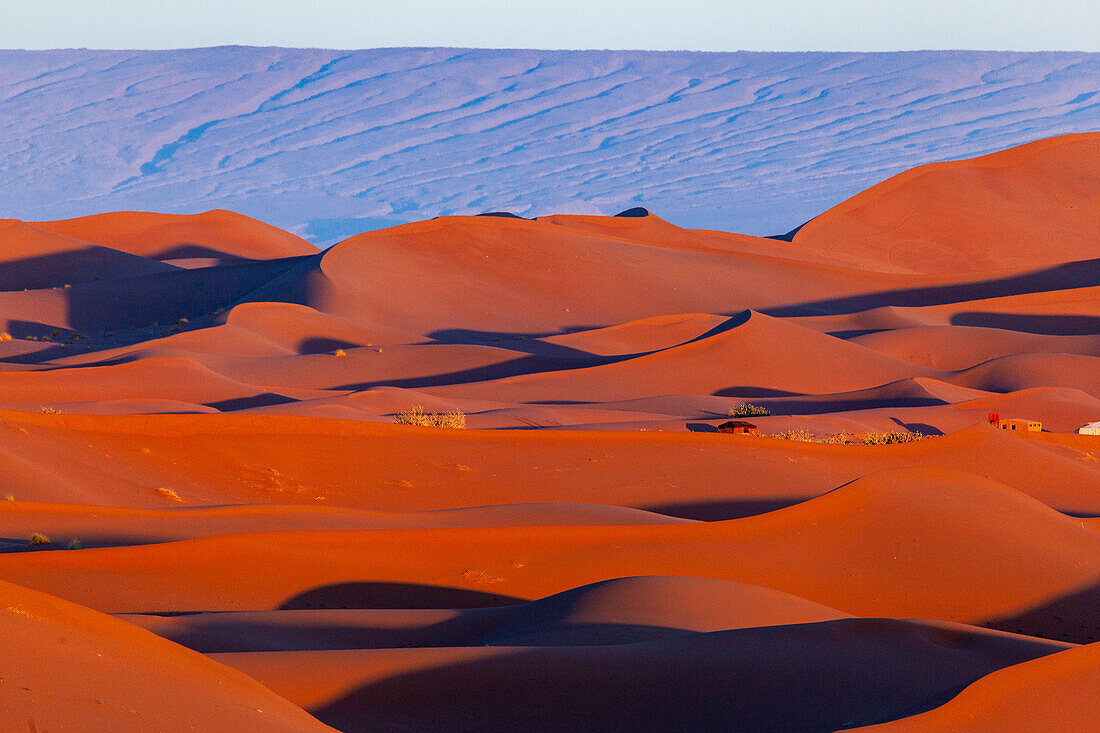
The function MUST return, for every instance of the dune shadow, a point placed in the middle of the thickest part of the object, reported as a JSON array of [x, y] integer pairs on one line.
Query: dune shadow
[[1051, 325], [919, 427], [720, 511], [750, 392], [826, 406], [372, 594], [701, 427], [86, 542], [1074, 617], [789, 236], [527, 343], [318, 345], [801, 677], [476, 627], [267, 399], [854, 332], [1065, 276], [190, 250], [124, 304], [512, 368]]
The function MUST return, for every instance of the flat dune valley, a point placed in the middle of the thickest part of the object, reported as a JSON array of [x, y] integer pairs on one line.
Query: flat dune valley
[[570, 473]]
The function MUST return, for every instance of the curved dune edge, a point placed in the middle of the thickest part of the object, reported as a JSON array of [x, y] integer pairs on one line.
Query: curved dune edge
[[861, 549], [251, 459], [817, 676], [616, 611], [586, 570], [1052, 693], [217, 234], [1029, 205], [70, 668], [103, 526]]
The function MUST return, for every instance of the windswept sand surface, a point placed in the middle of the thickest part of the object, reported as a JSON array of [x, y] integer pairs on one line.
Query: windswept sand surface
[[362, 139], [197, 420]]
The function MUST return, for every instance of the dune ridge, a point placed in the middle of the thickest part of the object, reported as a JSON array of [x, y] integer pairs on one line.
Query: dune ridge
[[203, 479]]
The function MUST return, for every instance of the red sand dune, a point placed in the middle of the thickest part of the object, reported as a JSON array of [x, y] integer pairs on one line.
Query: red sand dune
[[618, 611], [589, 553], [213, 234], [1032, 205], [1053, 693], [71, 668], [821, 676]]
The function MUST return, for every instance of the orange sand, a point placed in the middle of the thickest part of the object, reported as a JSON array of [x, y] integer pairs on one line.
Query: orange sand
[[201, 408]]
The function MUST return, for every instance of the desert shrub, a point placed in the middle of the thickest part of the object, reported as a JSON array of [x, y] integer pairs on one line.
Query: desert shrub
[[890, 438], [339, 352], [73, 545], [746, 410], [39, 539], [5, 336], [802, 435], [417, 416], [9, 497], [169, 494], [798, 434], [47, 410]]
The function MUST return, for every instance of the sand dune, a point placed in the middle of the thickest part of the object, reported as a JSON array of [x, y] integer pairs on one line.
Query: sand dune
[[220, 235], [198, 435], [1010, 557], [805, 677], [1050, 692], [618, 611], [1031, 205], [960, 347], [70, 668], [1028, 371]]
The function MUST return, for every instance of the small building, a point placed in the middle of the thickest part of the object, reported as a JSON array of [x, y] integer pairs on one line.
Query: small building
[[1009, 423], [1093, 428], [737, 426]]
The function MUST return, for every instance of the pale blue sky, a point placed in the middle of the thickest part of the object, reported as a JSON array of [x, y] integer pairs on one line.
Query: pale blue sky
[[705, 25]]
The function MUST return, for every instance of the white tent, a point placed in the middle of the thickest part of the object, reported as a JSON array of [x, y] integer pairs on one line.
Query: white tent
[[1093, 428]]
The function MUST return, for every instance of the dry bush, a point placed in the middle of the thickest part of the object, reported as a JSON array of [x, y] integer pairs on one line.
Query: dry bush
[[798, 434], [339, 352], [39, 539], [417, 416], [836, 438], [746, 410], [9, 497], [169, 494], [5, 336], [73, 545], [890, 438], [47, 410]]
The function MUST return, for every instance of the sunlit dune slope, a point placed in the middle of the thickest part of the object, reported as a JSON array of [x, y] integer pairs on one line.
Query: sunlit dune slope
[[1036, 204], [71, 668], [214, 234]]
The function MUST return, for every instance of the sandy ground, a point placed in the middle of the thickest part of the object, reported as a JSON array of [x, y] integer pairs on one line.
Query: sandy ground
[[197, 426]]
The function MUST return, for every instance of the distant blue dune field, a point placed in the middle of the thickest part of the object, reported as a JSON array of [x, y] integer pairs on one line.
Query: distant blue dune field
[[329, 143]]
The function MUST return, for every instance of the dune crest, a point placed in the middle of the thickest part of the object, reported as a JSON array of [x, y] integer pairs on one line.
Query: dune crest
[[477, 472]]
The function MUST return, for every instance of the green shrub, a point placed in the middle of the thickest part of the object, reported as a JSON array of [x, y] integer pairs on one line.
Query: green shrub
[[746, 410]]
